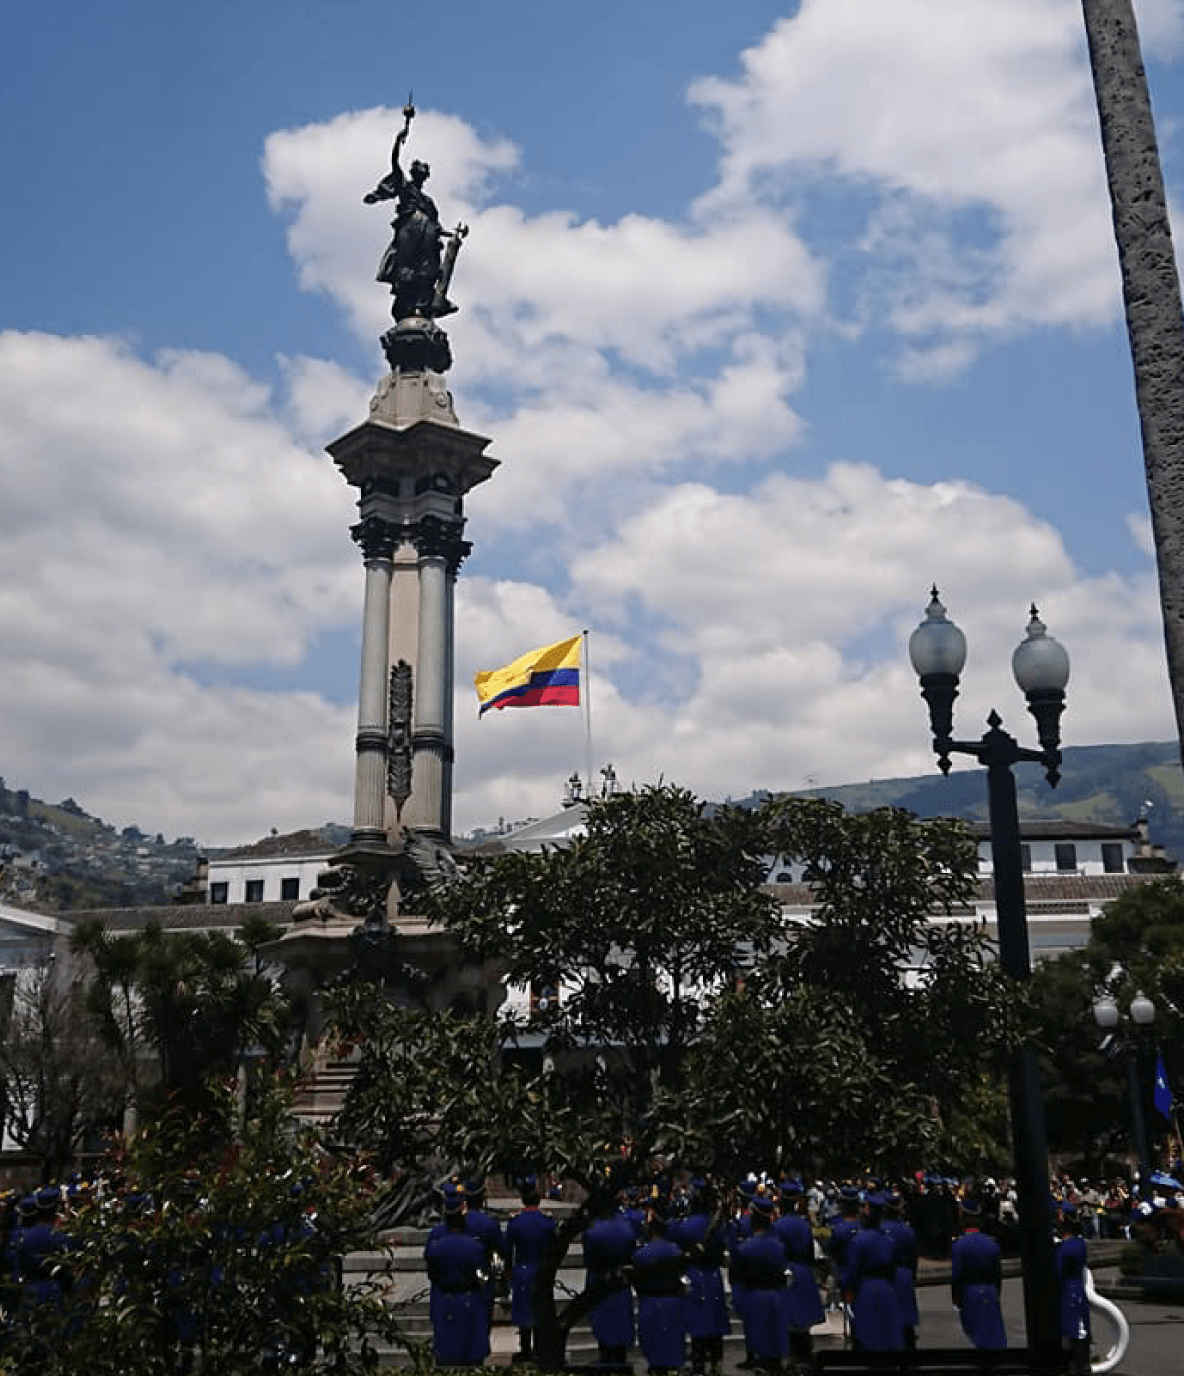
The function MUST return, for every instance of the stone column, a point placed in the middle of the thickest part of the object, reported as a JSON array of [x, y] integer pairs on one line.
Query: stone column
[[441, 550], [377, 538]]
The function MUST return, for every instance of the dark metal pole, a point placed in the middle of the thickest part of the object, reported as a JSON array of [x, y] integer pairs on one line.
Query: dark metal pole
[[999, 752], [1138, 1118]]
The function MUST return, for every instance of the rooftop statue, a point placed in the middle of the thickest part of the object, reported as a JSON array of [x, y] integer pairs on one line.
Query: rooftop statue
[[416, 265]]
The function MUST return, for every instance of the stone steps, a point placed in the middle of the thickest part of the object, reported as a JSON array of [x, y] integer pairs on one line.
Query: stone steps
[[319, 1098]]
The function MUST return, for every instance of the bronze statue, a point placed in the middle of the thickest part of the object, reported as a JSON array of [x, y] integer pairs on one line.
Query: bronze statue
[[415, 266]]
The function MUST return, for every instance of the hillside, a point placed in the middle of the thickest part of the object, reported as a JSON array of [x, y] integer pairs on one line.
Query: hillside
[[57, 857], [1112, 784]]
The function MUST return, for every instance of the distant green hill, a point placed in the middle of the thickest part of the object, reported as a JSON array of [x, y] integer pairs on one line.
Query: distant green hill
[[1111, 784], [81, 861]]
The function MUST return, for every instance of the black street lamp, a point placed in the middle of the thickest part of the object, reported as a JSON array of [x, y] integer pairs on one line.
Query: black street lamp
[[1108, 1016], [937, 649]]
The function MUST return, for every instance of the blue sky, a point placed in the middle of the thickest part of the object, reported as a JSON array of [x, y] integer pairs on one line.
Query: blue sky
[[774, 314]]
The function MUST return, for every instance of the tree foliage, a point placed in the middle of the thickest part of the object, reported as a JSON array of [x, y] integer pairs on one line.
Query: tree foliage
[[1137, 944], [196, 1001], [865, 1026], [687, 1000], [61, 1093], [220, 1260], [657, 904]]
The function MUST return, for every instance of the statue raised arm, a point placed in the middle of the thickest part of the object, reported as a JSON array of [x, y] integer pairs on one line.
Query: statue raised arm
[[411, 265], [392, 183]]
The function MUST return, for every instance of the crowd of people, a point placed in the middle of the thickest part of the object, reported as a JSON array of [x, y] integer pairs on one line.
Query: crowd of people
[[674, 1268]]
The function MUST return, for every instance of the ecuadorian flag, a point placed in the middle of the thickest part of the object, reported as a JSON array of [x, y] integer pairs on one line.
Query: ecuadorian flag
[[547, 675]]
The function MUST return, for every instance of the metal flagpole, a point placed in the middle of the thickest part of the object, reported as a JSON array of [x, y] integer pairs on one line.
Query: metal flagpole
[[586, 694]]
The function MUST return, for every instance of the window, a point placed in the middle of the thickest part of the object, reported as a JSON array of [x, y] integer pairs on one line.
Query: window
[[1113, 860], [1066, 853], [254, 892], [289, 890], [1026, 857], [219, 892]]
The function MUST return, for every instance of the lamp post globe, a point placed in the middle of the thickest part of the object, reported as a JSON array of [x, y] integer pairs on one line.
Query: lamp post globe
[[1142, 1009], [1040, 663], [1106, 1012], [937, 646]]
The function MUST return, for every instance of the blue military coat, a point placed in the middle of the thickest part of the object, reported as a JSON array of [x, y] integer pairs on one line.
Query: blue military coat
[[460, 1321], [528, 1235], [658, 1269], [707, 1304], [1070, 1259], [976, 1278], [904, 1239], [609, 1244], [759, 1265], [871, 1282], [803, 1302]]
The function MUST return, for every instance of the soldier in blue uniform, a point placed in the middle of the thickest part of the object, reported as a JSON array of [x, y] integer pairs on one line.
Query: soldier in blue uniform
[[842, 1230], [701, 1235], [803, 1302], [455, 1264], [976, 1281], [41, 1250], [904, 1239], [658, 1270], [528, 1235], [609, 1244], [41, 1276], [740, 1229], [488, 1231], [760, 1267], [634, 1212], [1071, 1259], [871, 1284]]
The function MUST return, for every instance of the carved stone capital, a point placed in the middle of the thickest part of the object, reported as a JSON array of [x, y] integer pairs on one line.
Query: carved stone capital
[[376, 537], [434, 538]]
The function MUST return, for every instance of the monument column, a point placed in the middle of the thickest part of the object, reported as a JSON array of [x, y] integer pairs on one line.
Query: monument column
[[412, 466], [377, 538], [440, 550]]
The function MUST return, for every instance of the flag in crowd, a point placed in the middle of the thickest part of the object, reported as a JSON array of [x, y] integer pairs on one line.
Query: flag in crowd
[[1163, 1091], [549, 675]]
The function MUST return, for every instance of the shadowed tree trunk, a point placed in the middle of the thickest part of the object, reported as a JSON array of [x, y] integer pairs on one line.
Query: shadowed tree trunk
[[1151, 295]]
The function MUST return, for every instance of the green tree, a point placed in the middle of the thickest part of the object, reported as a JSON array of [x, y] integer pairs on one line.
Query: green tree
[[196, 1000], [1085, 1103], [864, 1029], [659, 904], [1137, 944], [221, 1260], [61, 1094]]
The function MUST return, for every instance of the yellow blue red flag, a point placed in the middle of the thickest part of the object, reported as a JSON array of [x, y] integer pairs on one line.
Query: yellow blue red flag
[[548, 675]]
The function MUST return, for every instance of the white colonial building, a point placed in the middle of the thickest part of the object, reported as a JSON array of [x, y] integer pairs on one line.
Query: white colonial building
[[278, 869]]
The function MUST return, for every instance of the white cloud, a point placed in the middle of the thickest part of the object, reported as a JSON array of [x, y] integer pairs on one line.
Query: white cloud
[[775, 647], [933, 113], [1161, 27], [158, 516]]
